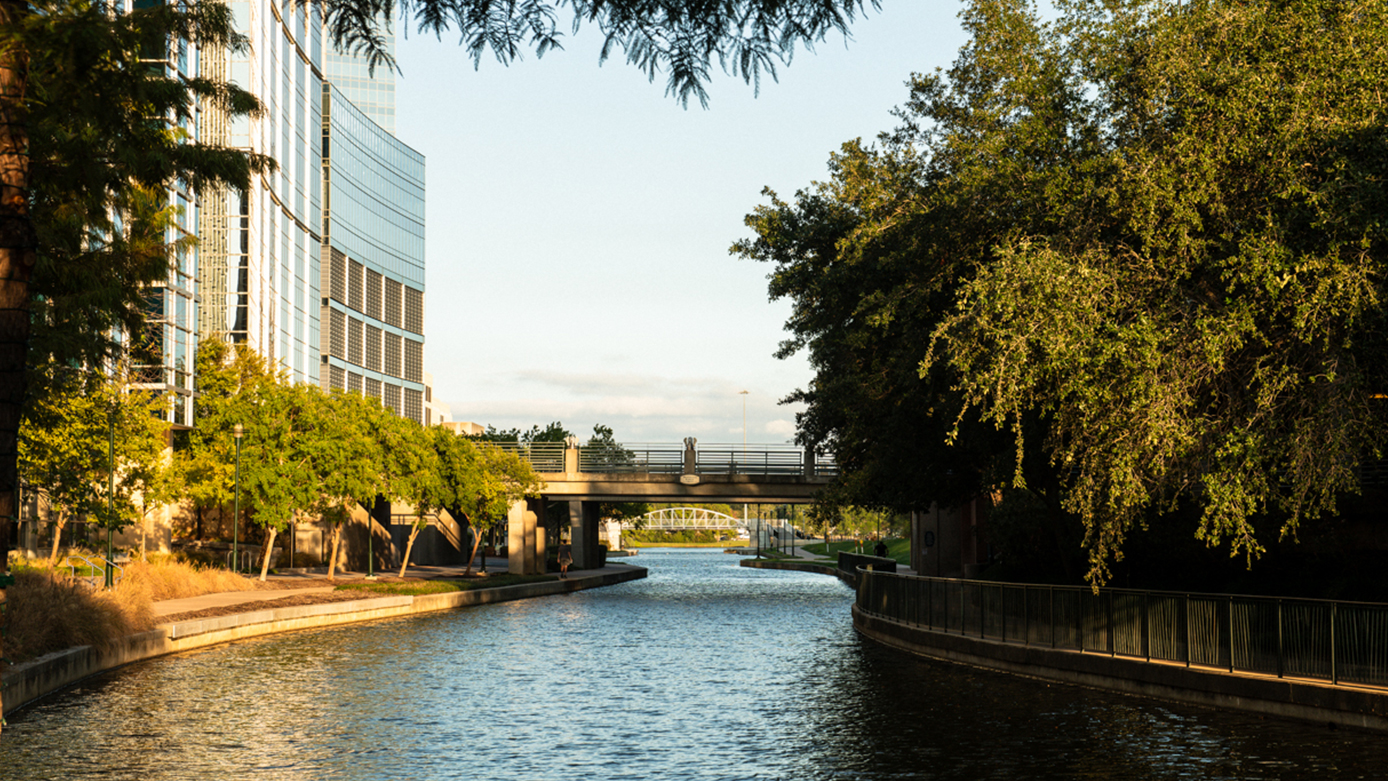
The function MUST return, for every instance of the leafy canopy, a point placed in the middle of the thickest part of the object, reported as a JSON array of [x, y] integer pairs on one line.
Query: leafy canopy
[[1139, 246], [745, 37]]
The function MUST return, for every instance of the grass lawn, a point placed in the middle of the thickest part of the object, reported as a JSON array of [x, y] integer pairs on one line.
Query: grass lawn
[[419, 587], [724, 544], [899, 549]]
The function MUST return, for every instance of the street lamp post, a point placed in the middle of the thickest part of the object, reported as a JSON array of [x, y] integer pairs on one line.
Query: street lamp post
[[236, 433], [111, 498]]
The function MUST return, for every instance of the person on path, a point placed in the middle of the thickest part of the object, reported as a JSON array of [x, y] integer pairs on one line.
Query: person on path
[[565, 559], [881, 549]]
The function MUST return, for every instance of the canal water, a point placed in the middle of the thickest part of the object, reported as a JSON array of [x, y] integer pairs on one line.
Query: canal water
[[704, 670]]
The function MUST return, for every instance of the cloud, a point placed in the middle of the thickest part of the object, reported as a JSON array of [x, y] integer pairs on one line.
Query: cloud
[[780, 428]]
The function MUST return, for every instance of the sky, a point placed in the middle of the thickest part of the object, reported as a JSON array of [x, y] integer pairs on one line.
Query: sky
[[579, 220]]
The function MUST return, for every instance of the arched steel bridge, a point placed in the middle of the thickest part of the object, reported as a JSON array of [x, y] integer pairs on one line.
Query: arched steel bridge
[[687, 519]]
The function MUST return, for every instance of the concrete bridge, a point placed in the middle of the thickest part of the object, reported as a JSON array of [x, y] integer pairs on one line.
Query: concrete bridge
[[584, 477]]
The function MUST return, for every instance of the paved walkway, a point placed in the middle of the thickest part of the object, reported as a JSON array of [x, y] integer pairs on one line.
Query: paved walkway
[[169, 607]]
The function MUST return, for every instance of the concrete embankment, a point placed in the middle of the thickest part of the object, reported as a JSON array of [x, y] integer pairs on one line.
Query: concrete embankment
[[1282, 697], [798, 566], [25, 683]]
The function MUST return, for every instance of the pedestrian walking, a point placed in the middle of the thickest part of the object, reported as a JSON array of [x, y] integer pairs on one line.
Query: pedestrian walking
[[565, 559]]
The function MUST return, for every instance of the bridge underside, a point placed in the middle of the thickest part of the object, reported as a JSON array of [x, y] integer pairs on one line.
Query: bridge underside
[[584, 491], [730, 489]]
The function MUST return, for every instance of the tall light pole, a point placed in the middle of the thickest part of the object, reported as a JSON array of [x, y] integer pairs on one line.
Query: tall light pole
[[236, 433], [744, 425]]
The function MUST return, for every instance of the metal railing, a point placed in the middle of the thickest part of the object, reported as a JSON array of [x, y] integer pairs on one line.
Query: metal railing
[[638, 458], [96, 568], [668, 459], [1339, 642]]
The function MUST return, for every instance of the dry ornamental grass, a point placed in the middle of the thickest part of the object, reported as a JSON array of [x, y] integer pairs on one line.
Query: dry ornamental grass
[[48, 611]]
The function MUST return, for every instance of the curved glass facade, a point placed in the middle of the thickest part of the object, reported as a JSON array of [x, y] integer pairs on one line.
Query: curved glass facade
[[373, 259]]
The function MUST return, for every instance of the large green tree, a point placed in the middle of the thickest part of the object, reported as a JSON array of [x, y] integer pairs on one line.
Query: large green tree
[[1138, 247]]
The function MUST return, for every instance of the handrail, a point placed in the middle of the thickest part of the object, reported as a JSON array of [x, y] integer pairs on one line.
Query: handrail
[[92, 579], [1330, 640]]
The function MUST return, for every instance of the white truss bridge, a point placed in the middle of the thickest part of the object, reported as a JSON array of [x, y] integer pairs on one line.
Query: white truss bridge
[[691, 519]]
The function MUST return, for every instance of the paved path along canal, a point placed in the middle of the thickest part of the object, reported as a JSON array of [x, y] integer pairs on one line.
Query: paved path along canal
[[704, 670]]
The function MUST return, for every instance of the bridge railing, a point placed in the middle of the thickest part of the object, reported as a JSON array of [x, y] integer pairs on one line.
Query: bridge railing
[[664, 458], [639, 458], [1339, 642], [543, 456], [752, 460]]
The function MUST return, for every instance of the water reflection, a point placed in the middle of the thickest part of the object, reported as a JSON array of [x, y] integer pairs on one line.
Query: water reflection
[[702, 671]]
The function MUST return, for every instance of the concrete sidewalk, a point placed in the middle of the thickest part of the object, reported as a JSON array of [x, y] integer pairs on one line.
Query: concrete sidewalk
[[169, 607]]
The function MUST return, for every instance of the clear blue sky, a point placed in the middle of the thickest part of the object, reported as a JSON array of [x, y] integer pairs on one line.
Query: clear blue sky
[[579, 222]]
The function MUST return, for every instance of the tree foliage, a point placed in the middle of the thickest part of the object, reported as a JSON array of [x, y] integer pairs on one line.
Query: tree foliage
[[66, 446], [108, 135], [1139, 247], [744, 37]]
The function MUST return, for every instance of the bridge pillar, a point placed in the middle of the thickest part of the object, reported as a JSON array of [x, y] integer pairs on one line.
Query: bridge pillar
[[524, 542], [584, 518]]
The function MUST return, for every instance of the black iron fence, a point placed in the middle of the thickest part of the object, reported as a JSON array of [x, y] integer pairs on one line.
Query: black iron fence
[[1339, 642]]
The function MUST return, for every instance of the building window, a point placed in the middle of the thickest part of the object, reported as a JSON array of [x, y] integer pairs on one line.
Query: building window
[[373, 294], [338, 280], [392, 302], [373, 388], [392, 351], [414, 360], [354, 341], [337, 334], [392, 397], [353, 382], [414, 404], [373, 349], [355, 271], [414, 310], [337, 378]]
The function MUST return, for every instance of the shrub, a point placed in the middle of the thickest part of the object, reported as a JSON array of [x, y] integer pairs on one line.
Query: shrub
[[47, 611]]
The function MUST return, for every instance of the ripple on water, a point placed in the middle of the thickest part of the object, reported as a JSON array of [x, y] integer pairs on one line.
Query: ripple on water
[[704, 670]]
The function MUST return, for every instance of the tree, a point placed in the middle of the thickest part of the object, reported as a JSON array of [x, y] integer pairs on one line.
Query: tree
[[605, 451], [66, 445], [744, 37], [81, 163], [229, 379], [59, 452], [345, 459], [412, 471], [1139, 250], [480, 482]]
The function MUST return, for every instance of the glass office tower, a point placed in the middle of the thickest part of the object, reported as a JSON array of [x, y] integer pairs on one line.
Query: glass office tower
[[161, 358], [261, 248], [373, 259]]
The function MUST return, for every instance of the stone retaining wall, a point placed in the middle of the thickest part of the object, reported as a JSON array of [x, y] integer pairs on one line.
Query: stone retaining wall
[[1300, 699], [26, 683]]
